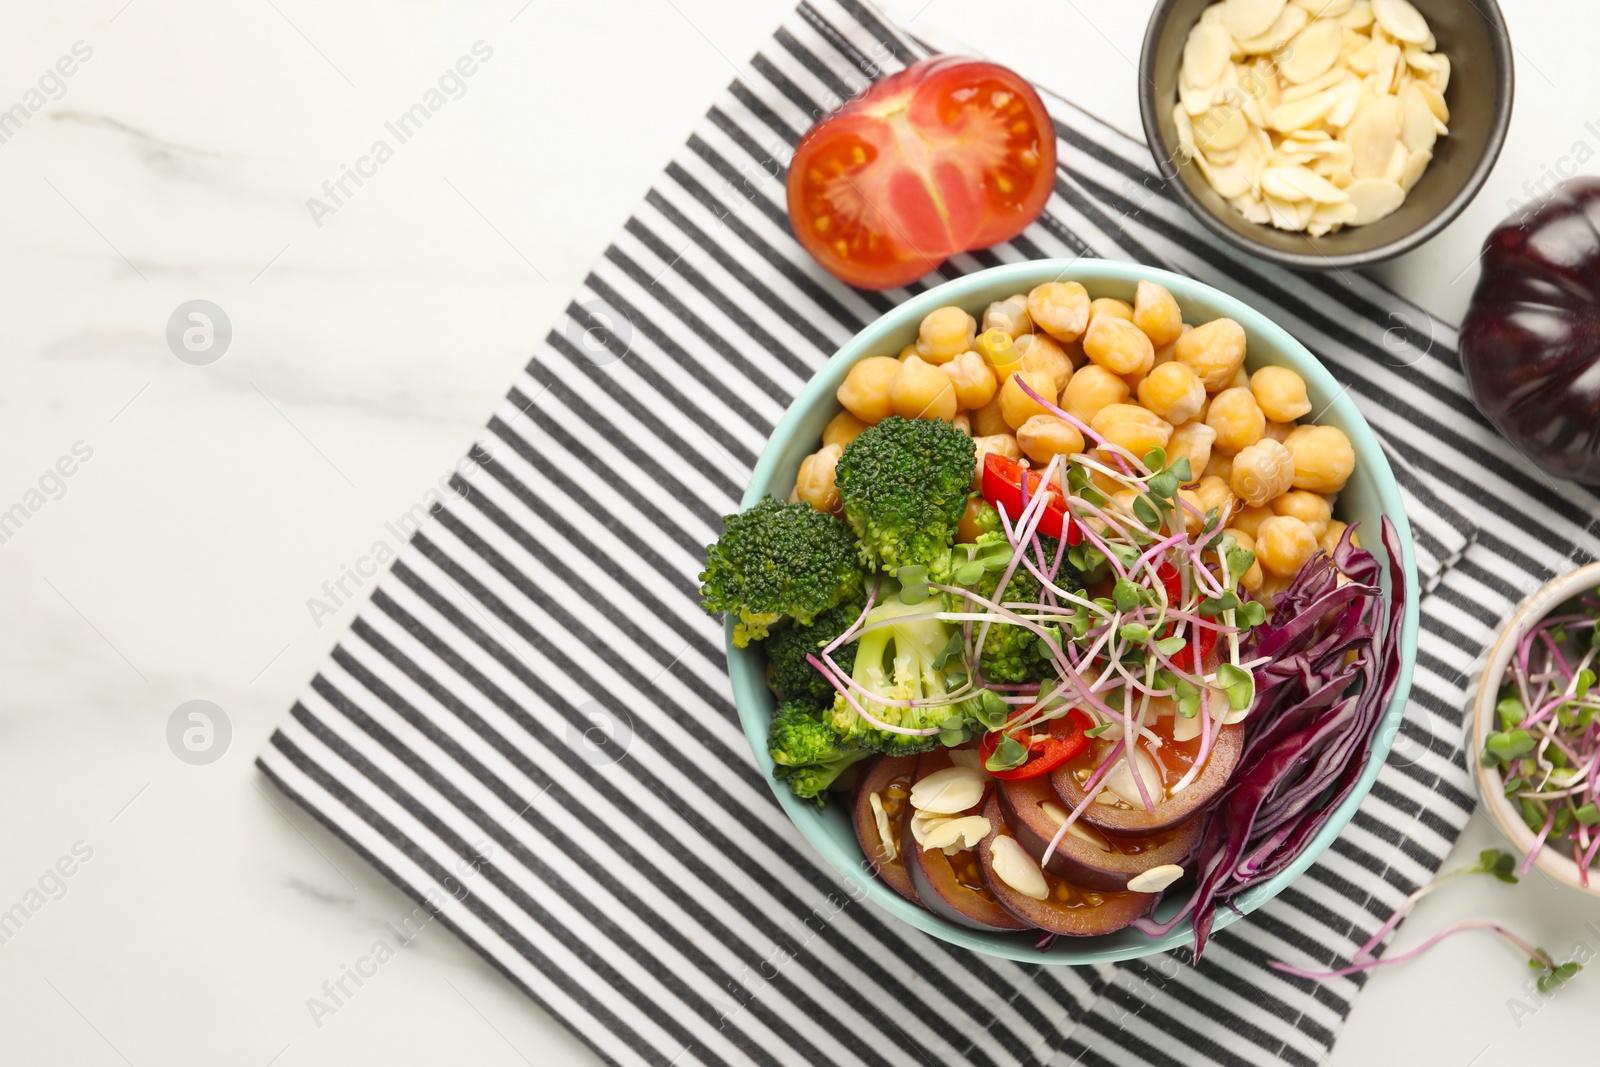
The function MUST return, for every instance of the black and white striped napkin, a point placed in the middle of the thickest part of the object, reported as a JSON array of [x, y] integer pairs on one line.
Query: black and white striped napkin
[[647, 890]]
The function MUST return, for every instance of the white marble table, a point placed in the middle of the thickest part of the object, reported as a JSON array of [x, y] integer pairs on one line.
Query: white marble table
[[179, 559]]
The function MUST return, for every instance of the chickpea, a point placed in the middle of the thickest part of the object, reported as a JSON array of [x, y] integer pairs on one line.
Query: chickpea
[[1278, 431], [1192, 511], [1272, 588], [1074, 351], [865, 391], [963, 422], [1240, 380], [1323, 458], [1237, 420], [1172, 391], [1310, 508], [1040, 352], [1168, 352], [1215, 352], [1060, 309], [1192, 441], [1249, 518], [1284, 544], [1118, 345], [1156, 312], [1252, 578], [987, 420], [1331, 539], [1000, 353], [974, 382], [1018, 407], [814, 484], [906, 353], [968, 530], [1281, 393], [1044, 436], [945, 334], [1262, 471], [1132, 427], [842, 429], [1221, 466], [922, 391], [1000, 443], [1215, 493], [1010, 315], [1091, 389], [1116, 309]]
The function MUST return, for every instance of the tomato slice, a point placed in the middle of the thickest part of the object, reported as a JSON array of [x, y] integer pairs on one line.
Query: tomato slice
[[1003, 481], [947, 155], [1046, 752]]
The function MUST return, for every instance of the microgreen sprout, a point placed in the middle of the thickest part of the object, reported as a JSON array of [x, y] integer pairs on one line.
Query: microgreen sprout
[[1547, 745]]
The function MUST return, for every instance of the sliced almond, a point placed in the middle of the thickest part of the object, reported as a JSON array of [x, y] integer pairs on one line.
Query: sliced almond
[[1420, 61], [958, 834], [1155, 879], [1387, 67], [1416, 121], [1229, 180], [1311, 185], [1397, 163], [1326, 9], [1364, 60], [1373, 135], [1205, 55], [1333, 77], [1374, 198], [1415, 165], [1121, 779], [1221, 129], [1312, 51], [921, 824], [1440, 79], [1302, 113], [1350, 94], [1248, 18], [1435, 101], [1401, 21], [1185, 127], [1017, 869], [1213, 13], [949, 791], [1359, 17], [885, 829], [1290, 21], [1335, 214], [1197, 101]]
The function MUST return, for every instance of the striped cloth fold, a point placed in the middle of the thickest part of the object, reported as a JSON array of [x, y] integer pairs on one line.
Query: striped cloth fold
[[529, 729]]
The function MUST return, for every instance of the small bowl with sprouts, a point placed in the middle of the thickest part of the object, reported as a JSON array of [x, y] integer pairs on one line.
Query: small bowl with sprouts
[[1536, 731], [1070, 611]]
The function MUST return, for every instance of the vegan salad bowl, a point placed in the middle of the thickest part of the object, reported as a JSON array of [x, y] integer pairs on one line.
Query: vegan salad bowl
[[1025, 573]]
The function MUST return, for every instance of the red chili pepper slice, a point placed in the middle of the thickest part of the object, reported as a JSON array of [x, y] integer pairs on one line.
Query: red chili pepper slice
[[1046, 752], [1003, 487]]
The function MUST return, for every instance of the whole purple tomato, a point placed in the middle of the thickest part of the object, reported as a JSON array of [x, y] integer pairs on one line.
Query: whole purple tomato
[[1530, 345]]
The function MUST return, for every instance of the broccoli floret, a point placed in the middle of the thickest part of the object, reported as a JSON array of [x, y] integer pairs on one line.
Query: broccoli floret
[[778, 560], [896, 662], [809, 754], [904, 484], [792, 677], [987, 520], [1014, 653]]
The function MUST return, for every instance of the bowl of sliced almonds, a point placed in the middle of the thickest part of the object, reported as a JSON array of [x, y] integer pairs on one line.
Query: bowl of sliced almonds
[[1326, 133]]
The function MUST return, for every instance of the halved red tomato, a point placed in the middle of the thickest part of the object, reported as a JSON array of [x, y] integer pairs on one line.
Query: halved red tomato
[[1046, 751], [949, 154], [1002, 487]]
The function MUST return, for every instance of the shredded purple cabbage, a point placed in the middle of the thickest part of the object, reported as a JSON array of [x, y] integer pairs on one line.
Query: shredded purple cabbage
[[1335, 665]]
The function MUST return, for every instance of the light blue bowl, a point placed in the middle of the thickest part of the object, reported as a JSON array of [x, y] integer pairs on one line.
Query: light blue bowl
[[1371, 494]]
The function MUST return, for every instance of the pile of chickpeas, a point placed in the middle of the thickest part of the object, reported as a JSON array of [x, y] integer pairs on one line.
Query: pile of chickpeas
[[1139, 377]]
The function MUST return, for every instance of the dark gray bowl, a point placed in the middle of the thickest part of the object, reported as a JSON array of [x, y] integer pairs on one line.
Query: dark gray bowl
[[1473, 34]]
